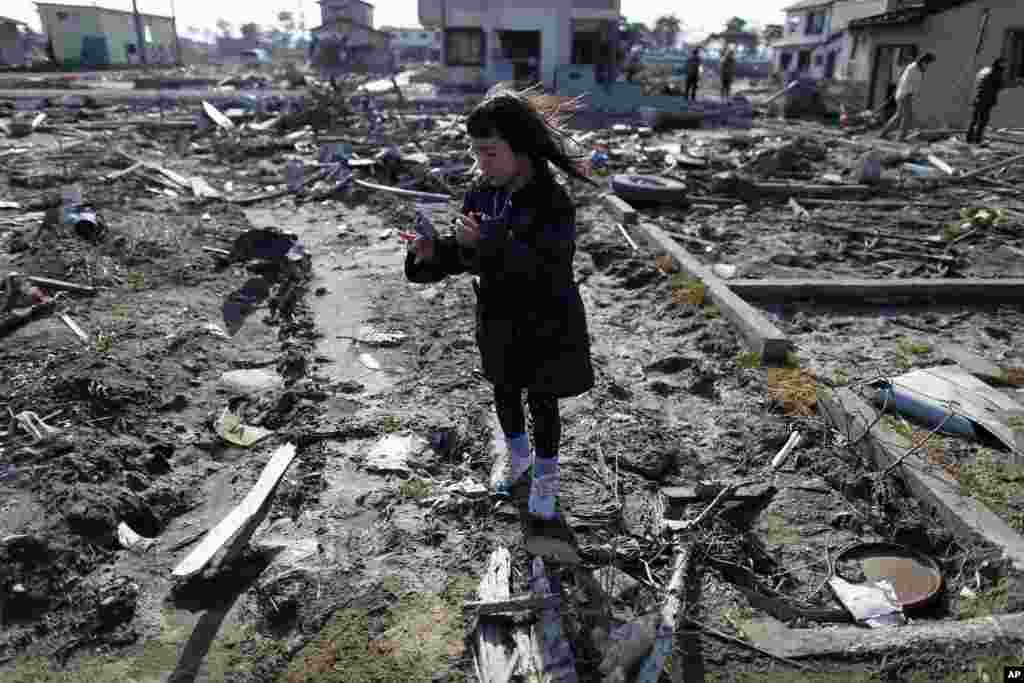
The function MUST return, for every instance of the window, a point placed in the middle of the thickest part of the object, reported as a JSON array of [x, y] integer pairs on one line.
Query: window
[[1015, 56], [803, 60], [792, 23], [464, 47], [815, 23], [785, 59], [818, 60]]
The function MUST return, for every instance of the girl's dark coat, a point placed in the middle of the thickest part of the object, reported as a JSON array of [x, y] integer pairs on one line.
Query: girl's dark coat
[[530, 323]]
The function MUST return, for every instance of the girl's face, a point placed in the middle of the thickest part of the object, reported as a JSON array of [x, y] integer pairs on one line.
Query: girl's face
[[497, 160]]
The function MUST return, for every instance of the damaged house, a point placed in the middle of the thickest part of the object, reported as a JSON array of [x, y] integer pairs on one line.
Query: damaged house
[[965, 35], [92, 36], [346, 32], [14, 47], [816, 42], [525, 40]]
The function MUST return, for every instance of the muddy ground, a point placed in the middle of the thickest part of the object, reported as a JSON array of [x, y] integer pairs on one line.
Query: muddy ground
[[360, 570]]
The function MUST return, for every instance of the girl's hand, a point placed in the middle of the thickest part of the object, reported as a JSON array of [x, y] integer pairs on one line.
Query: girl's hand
[[468, 232], [418, 244]]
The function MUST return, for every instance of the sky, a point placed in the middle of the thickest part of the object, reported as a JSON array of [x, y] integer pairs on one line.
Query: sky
[[697, 17]]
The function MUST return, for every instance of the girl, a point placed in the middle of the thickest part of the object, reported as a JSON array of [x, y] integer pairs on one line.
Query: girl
[[518, 236]]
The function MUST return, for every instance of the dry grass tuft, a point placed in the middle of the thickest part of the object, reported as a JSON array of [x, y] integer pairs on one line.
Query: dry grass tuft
[[796, 390]]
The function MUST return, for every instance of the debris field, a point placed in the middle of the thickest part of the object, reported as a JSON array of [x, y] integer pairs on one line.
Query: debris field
[[239, 446]]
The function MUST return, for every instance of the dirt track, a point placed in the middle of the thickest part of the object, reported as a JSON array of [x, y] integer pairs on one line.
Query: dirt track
[[356, 560]]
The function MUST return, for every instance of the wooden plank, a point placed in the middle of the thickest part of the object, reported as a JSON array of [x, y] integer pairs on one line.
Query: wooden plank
[[760, 334], [242, 520], [887, 291], [60, 285], [967, 518], [1005, 630], [624, 213], [519, 603]]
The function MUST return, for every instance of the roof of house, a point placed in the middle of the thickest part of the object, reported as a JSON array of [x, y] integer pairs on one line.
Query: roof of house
[[908, 15], [8, 20], [807, 4], [346, 20], [102, 9]]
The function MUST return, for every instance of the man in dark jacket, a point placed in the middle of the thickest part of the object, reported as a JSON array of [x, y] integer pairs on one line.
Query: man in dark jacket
[[986, 92], [728, 73], [692, 75]]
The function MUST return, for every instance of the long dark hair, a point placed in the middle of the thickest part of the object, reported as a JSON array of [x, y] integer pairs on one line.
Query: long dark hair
[[531, 124]]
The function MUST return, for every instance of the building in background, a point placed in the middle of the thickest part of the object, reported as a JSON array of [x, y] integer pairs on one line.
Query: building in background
[[346, 39], [415, 44], [525, 41], [816, 42], [965, 35], [14, 42], [89, 36]]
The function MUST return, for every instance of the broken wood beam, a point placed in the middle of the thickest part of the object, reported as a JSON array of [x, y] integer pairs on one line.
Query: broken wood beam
[[1005, 630], [625, 213], [803, 190], [887, 291], [988, 169], [59, 285], [427, 196], [519, 603], [760, 334], [238, 525], [866, 232], [885, 205], [496, 663], [969, 519], [650, 670]]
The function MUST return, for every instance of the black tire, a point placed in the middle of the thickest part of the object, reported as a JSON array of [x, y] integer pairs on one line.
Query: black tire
[[648, 188]]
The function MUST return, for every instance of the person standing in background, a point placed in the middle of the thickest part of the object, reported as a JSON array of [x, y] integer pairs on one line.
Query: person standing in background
[[986, 93], [909, 87], [728, 73], [692, 75]]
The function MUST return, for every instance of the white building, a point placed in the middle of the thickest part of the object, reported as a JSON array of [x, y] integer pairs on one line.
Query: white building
[[816, 42], [522, 40]]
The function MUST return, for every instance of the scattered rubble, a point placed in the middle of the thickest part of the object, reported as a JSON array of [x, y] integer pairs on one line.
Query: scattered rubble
[[223, 399]]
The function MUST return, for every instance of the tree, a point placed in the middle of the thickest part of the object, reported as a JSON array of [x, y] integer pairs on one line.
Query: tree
[[736, 25], [287, 21], [666, 30], [224, 26]]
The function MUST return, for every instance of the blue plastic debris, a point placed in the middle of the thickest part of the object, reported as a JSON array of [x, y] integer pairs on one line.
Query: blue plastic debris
[[923, 411]]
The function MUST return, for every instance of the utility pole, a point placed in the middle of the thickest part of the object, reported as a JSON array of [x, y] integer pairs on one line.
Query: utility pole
[[139, 33], [177, 40]]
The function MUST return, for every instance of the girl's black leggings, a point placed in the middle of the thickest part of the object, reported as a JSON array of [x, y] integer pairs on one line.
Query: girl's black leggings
[[547, 425]]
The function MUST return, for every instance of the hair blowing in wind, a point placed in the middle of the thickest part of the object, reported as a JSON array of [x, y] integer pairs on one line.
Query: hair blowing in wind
[[532, 125]]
